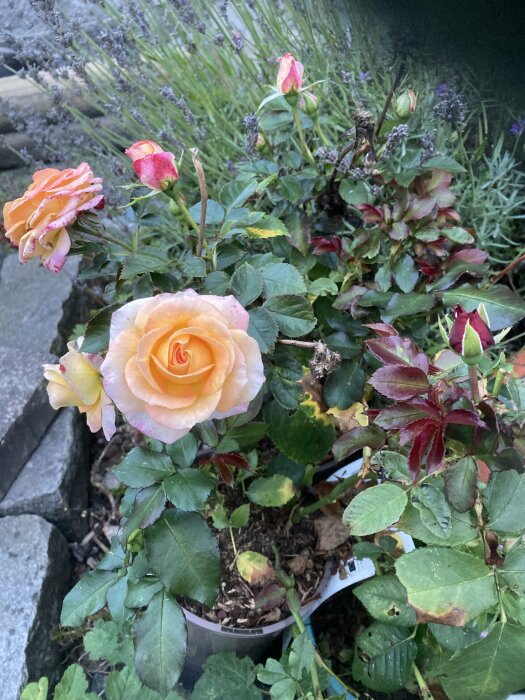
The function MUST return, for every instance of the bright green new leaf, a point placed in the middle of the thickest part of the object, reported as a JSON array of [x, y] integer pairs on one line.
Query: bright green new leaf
[[227, 676], [271, 491], [375, 509], [73, 685], [36, 691], [109, 641]]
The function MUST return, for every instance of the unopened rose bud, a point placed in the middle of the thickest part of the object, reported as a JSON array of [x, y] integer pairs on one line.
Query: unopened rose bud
[[309, 104], [261, 144], [470, 335], [290, 75], [155, 167], [405, 104]]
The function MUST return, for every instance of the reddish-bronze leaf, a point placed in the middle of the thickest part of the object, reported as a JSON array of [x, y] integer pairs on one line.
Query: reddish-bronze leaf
[[404, 413], [400, 382], [393, 350], [382, 329]]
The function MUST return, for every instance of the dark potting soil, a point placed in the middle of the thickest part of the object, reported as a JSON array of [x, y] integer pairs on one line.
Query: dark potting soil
[[303, 552]]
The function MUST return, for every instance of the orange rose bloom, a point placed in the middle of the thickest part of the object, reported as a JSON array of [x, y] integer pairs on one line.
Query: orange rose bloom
[[175, 360], [36, 222]]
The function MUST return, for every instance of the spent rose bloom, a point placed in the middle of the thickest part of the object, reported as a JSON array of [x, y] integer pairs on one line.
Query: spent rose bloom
[[76, 381], [290, 75], [470, 335], [175, 360], [37, 221], [155, 167]]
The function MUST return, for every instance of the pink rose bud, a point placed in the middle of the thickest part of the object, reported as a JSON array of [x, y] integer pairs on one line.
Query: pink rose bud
[[156, 168], [470, 335], [290, 75]]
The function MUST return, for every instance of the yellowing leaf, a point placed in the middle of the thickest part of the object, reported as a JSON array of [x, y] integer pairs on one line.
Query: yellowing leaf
[[254, 567], [267, 227], [349, 418]]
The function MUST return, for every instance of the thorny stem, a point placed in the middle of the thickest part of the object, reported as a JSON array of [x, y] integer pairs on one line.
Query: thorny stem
[[473, 378], [423, 687], [390, 95], [341, 487], [187, 216], [330, 672], [507, 269], [304, 146], [321, 133], [204, 199]]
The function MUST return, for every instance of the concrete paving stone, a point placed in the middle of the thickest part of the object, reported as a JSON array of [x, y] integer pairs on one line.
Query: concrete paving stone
[[38, 308], [53, 483], [25, 413], [34, 577]]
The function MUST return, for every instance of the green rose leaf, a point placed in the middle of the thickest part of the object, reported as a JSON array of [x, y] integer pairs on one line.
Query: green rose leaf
[[293, 314], [300, 437], [460, 484], [140, 592], [282, 278], [433, 509], [183, 552], [86, 598], [445, 585], [96, 335], [407, 305], [160, 643], [503, 306], [263, 327], [214, 212], [461, 531], [227, 676], [142, 467], [383, 657], [492, 669], [386, 600], [284, 382], [184, 451], [344, 386], [147, 507], [246, 283], [110, 641], [504, 500], [301, 655], [405, 274], [271, 491], [357, 438], [189, 489], [513, 570], [375, 509]]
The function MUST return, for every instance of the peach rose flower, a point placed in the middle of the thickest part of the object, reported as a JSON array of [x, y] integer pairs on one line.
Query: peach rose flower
[[155, 167], [36, 222], [175, 360], [290, 74], [76, 381]]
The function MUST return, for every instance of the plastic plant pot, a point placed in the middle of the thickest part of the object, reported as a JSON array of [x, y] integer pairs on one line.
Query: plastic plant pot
[[206, 638]]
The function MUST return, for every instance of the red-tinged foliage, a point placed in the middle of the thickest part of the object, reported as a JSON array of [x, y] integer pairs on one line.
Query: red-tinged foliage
[[382, 329], [328, 244], [393, 350], [400, 382], [226, 463]]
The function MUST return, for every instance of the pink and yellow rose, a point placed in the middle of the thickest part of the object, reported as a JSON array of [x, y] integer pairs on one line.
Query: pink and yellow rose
[[290, 74], [37, 221], [176, 360], [76, 381], [155, 167]]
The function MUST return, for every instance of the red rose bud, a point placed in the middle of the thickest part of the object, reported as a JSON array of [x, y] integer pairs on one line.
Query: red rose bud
[[405, 104], [290, 75], [155, 167], [470, 335]]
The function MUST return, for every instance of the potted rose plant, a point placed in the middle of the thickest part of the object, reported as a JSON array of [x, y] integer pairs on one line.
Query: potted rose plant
[[238, 337]]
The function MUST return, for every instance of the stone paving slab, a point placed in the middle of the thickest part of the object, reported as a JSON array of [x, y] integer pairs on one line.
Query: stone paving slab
[[34, 576], [37, 306], [25, 413], [53, 483]]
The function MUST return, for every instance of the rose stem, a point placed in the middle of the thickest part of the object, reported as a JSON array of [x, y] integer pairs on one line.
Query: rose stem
[[295, 609], [473, 377], [325, 500], [423, 687], [304, 146], [230, 529], [204, 199], [300, 343]]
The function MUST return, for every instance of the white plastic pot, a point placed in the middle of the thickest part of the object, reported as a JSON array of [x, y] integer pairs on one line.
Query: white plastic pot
[[206, 638]]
